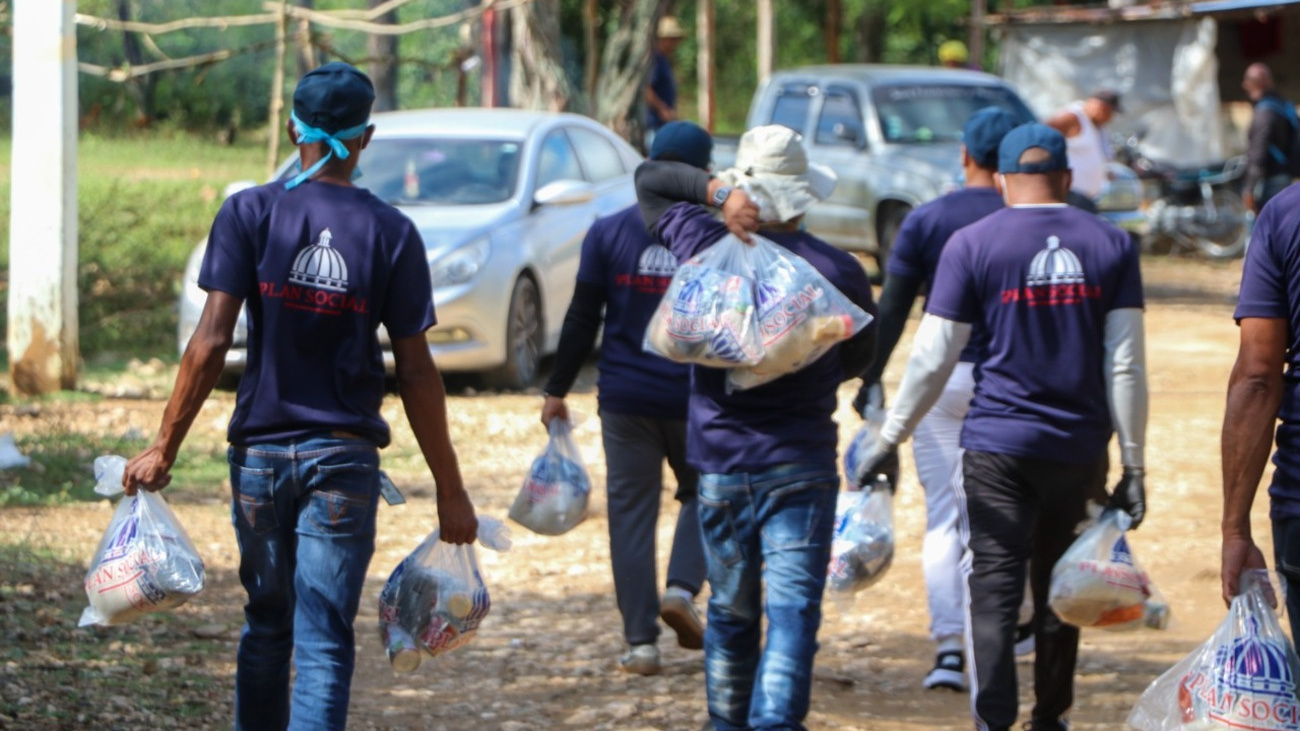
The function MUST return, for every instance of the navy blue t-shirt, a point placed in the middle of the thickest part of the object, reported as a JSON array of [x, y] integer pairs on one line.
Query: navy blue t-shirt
[[319, 267], [619, 256], [664, 85], [924, 232], [789, 420], [1270, 288], [1040, 281]]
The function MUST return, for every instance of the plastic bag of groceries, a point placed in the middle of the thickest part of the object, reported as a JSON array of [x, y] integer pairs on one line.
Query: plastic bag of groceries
[[707, 316], [554, 497], [1243, 677], [801, 315], [435, 599], [862, 547], [145, 561], [1098, 583]]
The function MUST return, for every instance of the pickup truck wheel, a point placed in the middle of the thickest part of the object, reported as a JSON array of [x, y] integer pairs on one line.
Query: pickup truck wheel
[[890, 223], [523, 339]]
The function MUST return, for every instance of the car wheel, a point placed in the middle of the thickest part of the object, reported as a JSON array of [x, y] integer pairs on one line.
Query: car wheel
[[523, 339], [890, 223]]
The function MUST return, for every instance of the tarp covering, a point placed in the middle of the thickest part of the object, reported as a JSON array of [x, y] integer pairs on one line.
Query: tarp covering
[[1165, 71]]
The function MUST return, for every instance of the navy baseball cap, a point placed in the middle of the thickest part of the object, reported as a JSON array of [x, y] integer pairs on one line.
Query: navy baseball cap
[[333, 97], [984, 131], [1027, 137], [684, 142]]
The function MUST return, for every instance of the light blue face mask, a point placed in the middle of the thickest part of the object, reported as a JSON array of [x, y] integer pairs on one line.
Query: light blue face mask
[[308, 135]]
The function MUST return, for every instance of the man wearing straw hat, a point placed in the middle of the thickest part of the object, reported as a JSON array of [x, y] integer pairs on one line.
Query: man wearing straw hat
[[661, 90], [766, 455]]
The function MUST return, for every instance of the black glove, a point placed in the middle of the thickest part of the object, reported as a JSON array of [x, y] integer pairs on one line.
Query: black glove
[[880, 465], [1130, 495], [870, 394]]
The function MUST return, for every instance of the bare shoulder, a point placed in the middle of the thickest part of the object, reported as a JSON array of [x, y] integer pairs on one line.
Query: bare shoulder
[[1066, 122]]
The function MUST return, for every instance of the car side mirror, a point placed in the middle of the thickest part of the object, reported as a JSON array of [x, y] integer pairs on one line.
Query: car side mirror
[[847, 134], [564, 193], [237, 186]]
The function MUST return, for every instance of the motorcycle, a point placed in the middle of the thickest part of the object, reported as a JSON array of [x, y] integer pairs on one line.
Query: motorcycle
[[1196, 209]]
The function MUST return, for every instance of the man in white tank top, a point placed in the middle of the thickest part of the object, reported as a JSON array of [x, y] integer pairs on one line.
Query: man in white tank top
[[1083, 125]]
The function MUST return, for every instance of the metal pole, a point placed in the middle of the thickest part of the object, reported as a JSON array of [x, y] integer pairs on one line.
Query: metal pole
[[42, 307]]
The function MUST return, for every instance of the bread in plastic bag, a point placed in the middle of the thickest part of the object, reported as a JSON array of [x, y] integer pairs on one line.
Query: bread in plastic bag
[[1243, 677], [435, 600], [145, 562], [1098, 583], [800, 315], [555, 495], [707, 316], [862, 546]]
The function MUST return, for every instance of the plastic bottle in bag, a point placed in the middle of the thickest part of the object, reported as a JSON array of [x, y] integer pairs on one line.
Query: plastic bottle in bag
[[862, 546]]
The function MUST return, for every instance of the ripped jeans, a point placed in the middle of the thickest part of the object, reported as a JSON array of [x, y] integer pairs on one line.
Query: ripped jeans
[[771, 527], [304, 516]]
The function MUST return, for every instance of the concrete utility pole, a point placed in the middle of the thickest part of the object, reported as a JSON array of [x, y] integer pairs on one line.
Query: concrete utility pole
[[42, 336], [704, 66], [766, 40]]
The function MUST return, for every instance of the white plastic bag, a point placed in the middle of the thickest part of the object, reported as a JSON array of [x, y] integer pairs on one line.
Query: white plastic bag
[[800, 315], [873, 420], [145, 561], [1098, 583], [707, 316], [1243, 677], [435, 600], [862, 547], [555, 495]]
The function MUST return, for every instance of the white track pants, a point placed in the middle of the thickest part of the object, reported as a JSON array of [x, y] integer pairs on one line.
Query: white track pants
[[937, 452]]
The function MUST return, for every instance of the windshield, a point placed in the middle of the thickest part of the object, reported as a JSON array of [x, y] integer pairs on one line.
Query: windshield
[[431, 171], [936, 113]]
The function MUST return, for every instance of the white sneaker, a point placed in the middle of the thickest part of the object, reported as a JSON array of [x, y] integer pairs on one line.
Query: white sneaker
[[949, 672], [641, 659], [677, 611]]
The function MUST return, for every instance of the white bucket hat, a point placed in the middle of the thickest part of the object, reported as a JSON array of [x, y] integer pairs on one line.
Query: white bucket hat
[[772, 165]]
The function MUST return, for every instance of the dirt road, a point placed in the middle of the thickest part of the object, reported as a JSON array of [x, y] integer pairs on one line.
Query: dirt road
[[547, 656]]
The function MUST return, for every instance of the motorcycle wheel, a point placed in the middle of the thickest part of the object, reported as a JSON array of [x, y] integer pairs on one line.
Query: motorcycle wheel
[[1226, 236]]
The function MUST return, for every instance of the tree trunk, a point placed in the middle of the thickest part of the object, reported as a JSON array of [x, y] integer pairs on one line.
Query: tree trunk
[[869, 35], [141, 88], [538, 79], [382, 50], [591, 46], [625, 61], [305, 51]]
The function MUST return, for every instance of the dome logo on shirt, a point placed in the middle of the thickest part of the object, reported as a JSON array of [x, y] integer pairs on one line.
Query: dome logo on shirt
[[654, 272], [318, 282], [1055, 278]]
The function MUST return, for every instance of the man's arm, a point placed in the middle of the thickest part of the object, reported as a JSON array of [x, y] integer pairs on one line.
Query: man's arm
[[896, 301], [201, 365], [935, 353], [1066, 122], [577, 338], [1257, 154], [661, 184], [1124, 369], [1254, 396], [420, 385], [664, 112]]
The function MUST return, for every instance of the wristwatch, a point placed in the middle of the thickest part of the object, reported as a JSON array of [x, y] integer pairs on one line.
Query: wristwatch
[[720, 196]]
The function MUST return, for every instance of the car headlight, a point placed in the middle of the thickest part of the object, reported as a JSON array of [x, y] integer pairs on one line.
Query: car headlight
[[460, 264]]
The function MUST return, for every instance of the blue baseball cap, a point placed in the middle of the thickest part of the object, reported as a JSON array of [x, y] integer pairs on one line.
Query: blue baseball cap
[[1027, 137], [684, 142], [983, 133], [333, 97]]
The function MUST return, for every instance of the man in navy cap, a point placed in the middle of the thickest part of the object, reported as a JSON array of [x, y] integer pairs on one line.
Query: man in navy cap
[[320, 265], [912, 263], [642, 401], [1059, 293]]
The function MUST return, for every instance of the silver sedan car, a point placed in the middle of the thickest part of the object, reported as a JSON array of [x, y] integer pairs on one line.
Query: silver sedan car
[[503, 199]]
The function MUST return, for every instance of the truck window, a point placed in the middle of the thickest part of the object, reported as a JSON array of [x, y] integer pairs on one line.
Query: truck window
[[840, 122], [791, 106], [936, 113]]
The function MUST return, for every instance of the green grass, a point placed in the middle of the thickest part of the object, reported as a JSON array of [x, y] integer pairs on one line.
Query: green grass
[[143, 203]]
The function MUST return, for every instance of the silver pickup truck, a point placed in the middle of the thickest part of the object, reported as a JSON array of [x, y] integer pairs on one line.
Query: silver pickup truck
[[891, 133]]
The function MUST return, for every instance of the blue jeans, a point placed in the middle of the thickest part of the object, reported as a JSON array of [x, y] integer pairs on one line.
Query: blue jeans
[[304, 516], [771, 527]]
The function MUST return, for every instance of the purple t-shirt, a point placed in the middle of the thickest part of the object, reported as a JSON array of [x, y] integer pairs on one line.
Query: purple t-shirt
[[1040, 281], [1270, 288], [790, 419], [319, 268], [619, 256], [926, 230]]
